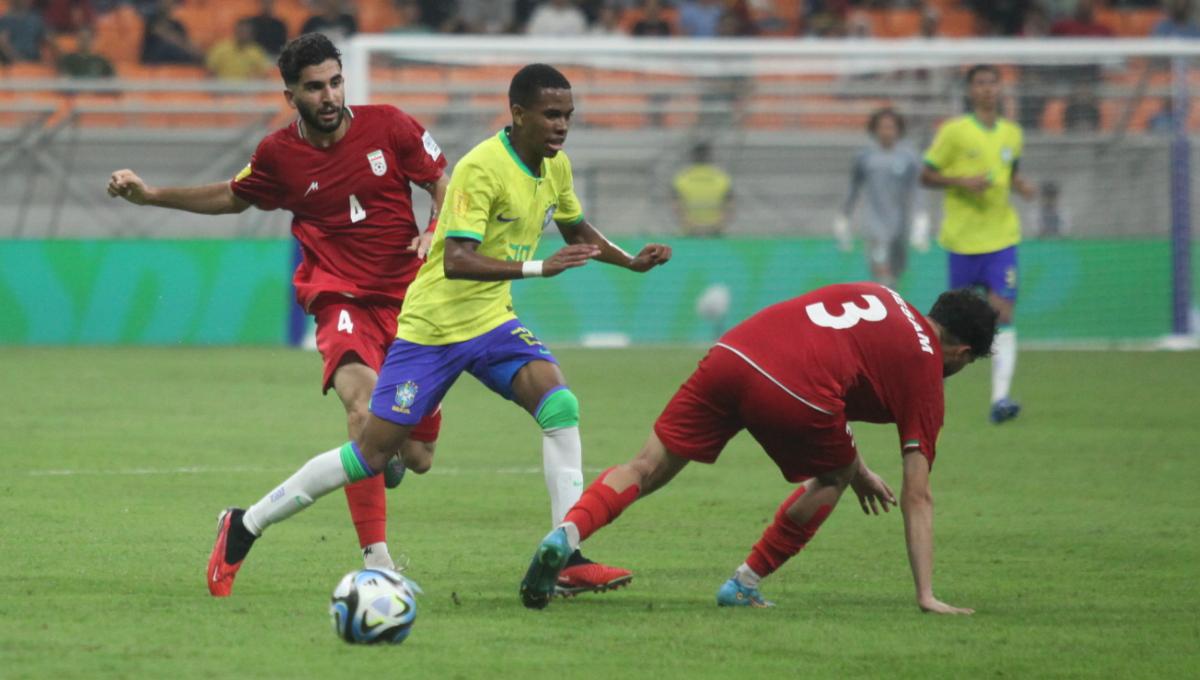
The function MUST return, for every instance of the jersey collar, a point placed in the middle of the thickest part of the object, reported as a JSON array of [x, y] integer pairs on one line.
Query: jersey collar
[[503, 134], [982, 126]]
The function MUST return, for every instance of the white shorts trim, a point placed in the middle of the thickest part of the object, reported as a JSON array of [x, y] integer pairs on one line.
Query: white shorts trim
[[770, 377]]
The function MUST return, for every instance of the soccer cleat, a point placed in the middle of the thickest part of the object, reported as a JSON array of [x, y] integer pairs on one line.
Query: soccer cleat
[[1004, 410], [548, 560], [220, 573], [393, 472], [590, 577], [733, 594]]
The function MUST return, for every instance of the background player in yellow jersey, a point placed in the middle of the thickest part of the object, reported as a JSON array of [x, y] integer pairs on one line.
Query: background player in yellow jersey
[[975, 159], [458, 316]]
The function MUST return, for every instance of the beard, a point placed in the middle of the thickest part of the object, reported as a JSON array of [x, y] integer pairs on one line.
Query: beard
[[311, 119]]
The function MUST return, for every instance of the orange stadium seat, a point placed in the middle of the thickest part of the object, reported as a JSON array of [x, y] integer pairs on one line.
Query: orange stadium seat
[[377, 16], [1140, 22], [119, 35], [957, 22], [1052, 115], [293, 14]]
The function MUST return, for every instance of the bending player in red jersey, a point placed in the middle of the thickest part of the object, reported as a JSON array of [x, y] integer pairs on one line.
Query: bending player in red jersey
[[794, 375], [344, 173]]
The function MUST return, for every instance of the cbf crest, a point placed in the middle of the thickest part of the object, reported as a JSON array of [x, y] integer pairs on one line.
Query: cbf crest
[[378, 162], [406, 394]]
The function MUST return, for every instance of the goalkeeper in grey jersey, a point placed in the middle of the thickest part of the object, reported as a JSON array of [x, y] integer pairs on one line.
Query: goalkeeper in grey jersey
[[887, 173]]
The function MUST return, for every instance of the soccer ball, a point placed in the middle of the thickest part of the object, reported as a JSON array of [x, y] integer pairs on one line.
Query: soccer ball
[[373, 605]]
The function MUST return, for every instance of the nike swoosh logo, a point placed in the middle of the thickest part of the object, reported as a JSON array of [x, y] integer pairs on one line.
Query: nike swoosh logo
[[502, 218]]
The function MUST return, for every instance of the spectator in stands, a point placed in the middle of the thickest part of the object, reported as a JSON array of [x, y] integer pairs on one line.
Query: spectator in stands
[[1001, 17], [165, 40], [1082, 113], [238, 57], [22, 33], [485, 16], [336, 24], [608, 22], [1178, 22], [557, 18], [408, 12], [652, 22], [703, 195], [83, 62], [269, 31], [930, 18], [439, 16], [1052, 221], [67, 16], [700, 18], [1081, 24]]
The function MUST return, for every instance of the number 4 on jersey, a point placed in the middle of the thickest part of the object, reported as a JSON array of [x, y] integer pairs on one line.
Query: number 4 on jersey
[[851, 313], [357, 213], [345, 325]]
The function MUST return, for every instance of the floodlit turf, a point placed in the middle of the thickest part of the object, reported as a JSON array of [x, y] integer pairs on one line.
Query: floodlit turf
[[1072, 531]]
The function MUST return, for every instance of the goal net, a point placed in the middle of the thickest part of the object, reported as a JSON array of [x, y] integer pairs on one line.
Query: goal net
[[1106, 245]]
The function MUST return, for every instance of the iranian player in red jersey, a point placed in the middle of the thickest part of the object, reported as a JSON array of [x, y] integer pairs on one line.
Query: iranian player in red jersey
[[794, 375], [344, 173]]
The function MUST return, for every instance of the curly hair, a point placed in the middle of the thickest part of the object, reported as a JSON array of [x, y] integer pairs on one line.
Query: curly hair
[[309, 49], [968, 318], [528, 83], [886, 112]]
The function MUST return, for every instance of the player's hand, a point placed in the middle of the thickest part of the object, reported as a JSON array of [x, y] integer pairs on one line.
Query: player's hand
[[651, 256], [932, 605], [421, 244], [569, 257], [873, 493], [127, 185], [976, 185], [1026, 190]]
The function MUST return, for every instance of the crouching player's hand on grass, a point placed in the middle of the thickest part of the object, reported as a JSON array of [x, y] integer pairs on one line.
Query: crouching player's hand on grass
[[932, 605]]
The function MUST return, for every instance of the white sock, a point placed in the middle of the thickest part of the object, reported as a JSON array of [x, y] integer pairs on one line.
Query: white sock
[[1004, 362], [572, 535], [562, 462], [319, 476], [376, 556], [746, 576]]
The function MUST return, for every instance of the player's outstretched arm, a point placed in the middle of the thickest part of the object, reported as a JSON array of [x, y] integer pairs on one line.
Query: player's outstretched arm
[[934, 179], [206, 199], [462, 261], [916, 502], [650, 256]]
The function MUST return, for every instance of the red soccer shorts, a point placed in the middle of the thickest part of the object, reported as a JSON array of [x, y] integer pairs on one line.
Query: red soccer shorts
[[367, 329], [726, 395]]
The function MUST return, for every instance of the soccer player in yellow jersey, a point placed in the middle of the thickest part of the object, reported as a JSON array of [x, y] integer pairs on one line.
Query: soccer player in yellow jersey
[[974, 158], [458, 316]]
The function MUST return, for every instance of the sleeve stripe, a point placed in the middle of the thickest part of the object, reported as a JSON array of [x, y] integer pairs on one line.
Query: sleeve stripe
[[931, 164], [572, 223], [465, 234]]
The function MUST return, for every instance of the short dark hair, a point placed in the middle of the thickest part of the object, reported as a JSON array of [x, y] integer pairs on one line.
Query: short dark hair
[[982, 68], [307, 50], [528, 83], [967, 318], [886, 112]]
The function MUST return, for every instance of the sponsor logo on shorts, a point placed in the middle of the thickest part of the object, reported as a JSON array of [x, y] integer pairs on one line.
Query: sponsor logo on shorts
[[378, 162], [406, 394]]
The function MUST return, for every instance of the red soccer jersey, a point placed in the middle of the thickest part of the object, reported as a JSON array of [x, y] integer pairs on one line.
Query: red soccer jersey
[[351, 203], [856, 349]]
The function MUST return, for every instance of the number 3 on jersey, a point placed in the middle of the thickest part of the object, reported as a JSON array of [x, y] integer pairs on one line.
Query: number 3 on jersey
[[345, 325], [357, 214], [851, 313]]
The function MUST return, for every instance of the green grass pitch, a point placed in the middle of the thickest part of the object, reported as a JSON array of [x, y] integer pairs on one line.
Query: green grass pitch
[[1072, 531]]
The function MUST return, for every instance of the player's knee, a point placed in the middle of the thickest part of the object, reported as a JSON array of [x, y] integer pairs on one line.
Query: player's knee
[[559, 410], [417, 456]]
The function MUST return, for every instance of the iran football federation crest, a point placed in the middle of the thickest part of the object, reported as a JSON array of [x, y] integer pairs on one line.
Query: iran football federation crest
[[378, 162], [406, 394]]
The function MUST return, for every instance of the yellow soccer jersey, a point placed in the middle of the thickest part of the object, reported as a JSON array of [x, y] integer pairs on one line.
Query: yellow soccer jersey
[[703, 189], [494, 199], [977, 223]]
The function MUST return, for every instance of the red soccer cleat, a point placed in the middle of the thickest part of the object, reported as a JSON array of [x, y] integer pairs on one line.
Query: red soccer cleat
[[590, 577], [220, 574]]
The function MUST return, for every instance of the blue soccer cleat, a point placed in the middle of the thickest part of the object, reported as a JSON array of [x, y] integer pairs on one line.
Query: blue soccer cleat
[[551, 556], [393, 472], [733, 594], [1004, 410]]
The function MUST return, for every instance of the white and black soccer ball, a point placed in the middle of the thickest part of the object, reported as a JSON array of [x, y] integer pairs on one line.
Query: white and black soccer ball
[[372, 606]]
